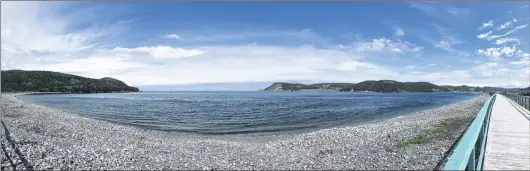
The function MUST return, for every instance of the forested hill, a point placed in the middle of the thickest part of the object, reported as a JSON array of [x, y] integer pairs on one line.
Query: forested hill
[[378, 86], [47, 81]]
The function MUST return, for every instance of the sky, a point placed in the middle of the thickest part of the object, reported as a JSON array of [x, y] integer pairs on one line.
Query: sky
[[165, 44]]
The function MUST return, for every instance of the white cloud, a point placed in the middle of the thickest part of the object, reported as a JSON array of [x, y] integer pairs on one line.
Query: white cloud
[[354, 66], [482, 75], [523, 62], [508, 51], [17, 34], [448, 41], [443, 30], [399, 32], [173, 36], [162, 51], [484, 35], [458, 11], [438, 10], [506, 40], [505, 25], [513, 30], [304, 35], [479, 75], [33, 31], [486, 25], [495, 54], [493, 37], [385, 45], [422, 6], [95, 67], [447, 44], [443, 45], [501, 73], [516, 29], [488, 69], [490, 52]]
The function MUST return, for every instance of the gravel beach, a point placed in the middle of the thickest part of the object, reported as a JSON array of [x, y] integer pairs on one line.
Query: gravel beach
[[53, 139]]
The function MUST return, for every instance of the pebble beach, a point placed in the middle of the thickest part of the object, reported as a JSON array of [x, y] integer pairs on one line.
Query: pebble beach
[[53, 139]]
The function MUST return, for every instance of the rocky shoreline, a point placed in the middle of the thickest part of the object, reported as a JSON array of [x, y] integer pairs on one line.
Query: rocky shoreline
[[53, 139]]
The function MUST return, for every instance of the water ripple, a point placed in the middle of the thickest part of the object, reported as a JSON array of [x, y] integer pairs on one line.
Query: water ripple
[[245, 112]]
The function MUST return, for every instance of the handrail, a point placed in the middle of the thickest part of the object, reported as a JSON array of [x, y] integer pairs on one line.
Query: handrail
[[464, 156], [521, 100]]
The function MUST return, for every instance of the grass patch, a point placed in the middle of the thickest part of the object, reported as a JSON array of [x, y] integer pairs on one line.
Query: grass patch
[[443, 124], [426, 135]]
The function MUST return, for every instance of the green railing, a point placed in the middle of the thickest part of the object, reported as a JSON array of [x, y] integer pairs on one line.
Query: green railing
[[468, 154], [521, 100]]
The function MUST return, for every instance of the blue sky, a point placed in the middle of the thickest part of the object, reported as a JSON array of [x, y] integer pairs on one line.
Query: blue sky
[[149, 44]]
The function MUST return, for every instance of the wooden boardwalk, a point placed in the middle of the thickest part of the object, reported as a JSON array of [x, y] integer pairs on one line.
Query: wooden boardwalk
[[508, 142]]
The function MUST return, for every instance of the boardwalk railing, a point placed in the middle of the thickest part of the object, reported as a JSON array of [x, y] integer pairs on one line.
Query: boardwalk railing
[[469, 152], [523, 101]]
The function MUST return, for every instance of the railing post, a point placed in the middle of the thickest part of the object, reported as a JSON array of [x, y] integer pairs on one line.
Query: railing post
[[528, 104], [471, 161], [523, 103], [482, 142]]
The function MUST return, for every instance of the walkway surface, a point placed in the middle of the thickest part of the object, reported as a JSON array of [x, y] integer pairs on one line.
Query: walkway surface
[[508, 143]]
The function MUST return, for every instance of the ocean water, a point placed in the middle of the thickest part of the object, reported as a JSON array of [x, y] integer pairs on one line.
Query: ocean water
[[215, 113]]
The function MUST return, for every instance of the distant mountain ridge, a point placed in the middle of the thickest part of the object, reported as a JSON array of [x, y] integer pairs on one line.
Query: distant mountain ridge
[[48, 81], [379, 86]]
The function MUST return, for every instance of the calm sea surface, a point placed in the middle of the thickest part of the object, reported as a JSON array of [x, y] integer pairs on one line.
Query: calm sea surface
[[245, 112]]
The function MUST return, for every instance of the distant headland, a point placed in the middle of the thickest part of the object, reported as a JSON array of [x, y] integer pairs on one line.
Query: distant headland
[[381, 86], [48, 81]]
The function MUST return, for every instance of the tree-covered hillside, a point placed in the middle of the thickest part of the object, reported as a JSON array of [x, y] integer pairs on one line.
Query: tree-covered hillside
[[395, 86], [47, 81], [381, 86], [289, 86]]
